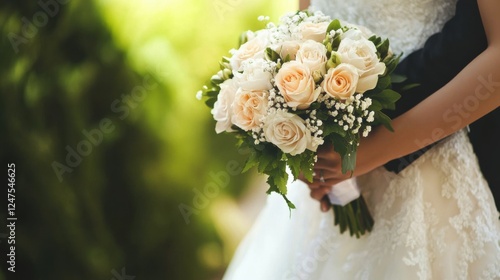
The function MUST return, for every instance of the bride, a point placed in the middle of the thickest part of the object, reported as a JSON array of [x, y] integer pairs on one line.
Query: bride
[[436, 219]]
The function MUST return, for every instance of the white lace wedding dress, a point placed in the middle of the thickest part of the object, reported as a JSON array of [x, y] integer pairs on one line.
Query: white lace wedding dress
[[434, 220]]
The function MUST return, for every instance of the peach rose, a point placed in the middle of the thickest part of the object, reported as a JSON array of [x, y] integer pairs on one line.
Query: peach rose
[[296, 83], [340, 82], [249, 107]]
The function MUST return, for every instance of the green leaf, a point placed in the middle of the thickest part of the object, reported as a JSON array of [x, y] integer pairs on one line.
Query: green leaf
[[385, 99], [210, 102], [409, 86], [383, 48], [272, 186], [376, 105], [294, 162], [289, 203], [375, 39], [251, 162], [272, 55], [287, 58], [387, 96], [277, 181], [281, 181], [390, 95], [307, 167], [328, 46], [391, 62], [213, 92], [332, 127], [346, 151], [264, 160], [224, 65], [349, 161], [346, 147], [396, 78], [383, 119], [216, 81], [383, 82], [334, 25], [336, 42]]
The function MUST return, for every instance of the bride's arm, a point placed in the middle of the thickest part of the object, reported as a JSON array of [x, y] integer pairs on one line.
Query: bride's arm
[[473, 93], [303, 4]]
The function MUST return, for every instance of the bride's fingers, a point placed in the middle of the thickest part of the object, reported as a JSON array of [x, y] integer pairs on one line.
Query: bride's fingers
[[330, 176], [314, 184], [327, 168], [325, 204], [319, 192], [328, 162], [332, 157], [327, 153], [323, 178]]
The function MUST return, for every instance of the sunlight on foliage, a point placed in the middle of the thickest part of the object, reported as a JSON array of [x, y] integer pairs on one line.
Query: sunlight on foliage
[[135, 66]]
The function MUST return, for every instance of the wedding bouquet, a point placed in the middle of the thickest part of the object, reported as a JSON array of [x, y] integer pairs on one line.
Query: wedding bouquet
[[304, 82]]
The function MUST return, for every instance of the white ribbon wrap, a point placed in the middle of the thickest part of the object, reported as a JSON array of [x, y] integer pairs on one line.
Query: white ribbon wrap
[[344, 192]]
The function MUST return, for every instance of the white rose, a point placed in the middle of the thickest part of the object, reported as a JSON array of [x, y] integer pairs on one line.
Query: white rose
[[256, 74], [249, 107], [288, 48], [340, 82], [362, 54], [253, 48], [222, 110], [355, 34], [313, 55], [296, 84], [249, 35], [288, 132], [313, 31]]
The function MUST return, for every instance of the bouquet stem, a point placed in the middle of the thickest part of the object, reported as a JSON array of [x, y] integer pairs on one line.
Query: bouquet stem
[[354, 216]]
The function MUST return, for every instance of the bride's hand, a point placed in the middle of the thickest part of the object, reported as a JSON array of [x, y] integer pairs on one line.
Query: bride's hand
[[328, 168], [327, 173]]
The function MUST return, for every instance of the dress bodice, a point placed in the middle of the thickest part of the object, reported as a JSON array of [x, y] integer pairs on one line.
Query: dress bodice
[[406, 23]]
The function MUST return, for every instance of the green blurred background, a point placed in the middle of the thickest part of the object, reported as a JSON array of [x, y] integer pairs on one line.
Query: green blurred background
[[119, 173]]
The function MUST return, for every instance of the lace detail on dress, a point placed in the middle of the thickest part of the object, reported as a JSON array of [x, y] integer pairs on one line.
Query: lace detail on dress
[[406, 23], [434, 220], [437, 215]]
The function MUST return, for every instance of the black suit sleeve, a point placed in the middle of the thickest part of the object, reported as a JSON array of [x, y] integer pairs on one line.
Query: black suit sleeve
[[443, 56]]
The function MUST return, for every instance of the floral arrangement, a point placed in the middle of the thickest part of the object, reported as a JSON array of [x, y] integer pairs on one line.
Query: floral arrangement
[[304, 82]]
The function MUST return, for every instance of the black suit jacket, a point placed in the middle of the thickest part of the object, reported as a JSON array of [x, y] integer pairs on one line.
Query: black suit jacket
[[443, 56]]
